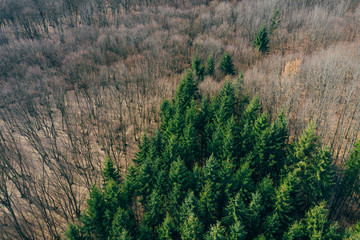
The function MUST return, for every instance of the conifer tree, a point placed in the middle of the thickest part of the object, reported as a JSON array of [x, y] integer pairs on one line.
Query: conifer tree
[[197, 67], [217, 232], [275, 22], [122, 224], [227, 65], [316, 173], [186, 92], [296, 231], [237, 231], [261, 42], [74, 233], [167, 230], [144, 149], [255, 211], [95, 215], [192, 228], [154, 211], [284, 198], [113, 198], [110, 171], [210, 65]]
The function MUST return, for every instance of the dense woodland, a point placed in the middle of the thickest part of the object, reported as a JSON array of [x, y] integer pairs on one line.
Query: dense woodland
[[83, 81], [218, 168]]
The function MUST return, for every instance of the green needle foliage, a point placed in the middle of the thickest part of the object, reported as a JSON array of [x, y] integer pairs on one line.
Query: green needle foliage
[[261, 42], [210, 65], [227, 65], [220, 168]]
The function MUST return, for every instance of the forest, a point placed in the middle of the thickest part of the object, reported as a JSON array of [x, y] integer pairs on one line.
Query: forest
[[178, 119]]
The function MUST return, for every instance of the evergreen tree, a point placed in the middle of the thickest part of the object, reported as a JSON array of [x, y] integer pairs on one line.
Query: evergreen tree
[[113, 198], [110, 172], [296, 231], [237, 231], [167, 230], [261, 42], [275, 22], [210, 65], [122, 225], [94, 217], [316, 172], [316, 223], [154, 212], [227, 65], [217, 232], [186, 92], [197, 67], [284, 198], [73, 233], [192, 228], [255, 215], [235, 211], [144, 149]]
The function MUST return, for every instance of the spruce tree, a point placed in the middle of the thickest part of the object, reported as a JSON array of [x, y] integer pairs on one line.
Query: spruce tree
[[167, 231], [122, 225], [227, 65], [210, 65], [110, 172], [197, 67], [192, 228], [73, 233], [261, 42], [237, 231], [94, 218], [217, 232]]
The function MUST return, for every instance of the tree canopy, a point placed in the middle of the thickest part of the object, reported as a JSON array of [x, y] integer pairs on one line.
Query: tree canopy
[[217, 170]]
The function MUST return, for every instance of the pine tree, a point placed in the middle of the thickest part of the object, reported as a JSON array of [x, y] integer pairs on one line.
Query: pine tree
[[235, 211], [210, 65], [227, 65], [73, 233], [110, 172], [167, 230], [316, 219], [272, 227], [186, 92], [284, 198], [261, 42], [197, 67], [113, 199], [154, 212], [94, 218], [122, 225], [144, 149], [255, 211], [316, 172], [192, 228], [237, 231], [296, 231], [217, 232], [275, 22]]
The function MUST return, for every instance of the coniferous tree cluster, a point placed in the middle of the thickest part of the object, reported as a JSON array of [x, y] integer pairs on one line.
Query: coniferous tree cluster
[[217, 168]]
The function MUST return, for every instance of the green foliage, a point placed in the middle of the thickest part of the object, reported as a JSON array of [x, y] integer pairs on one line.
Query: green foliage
[[210, 65], [167, 231], [197, 67], [94, 218], [73, 233], [192, 228], [261, 42], [110, 172], [227, 65], [219, 168], [275, 22], [217, 232]]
